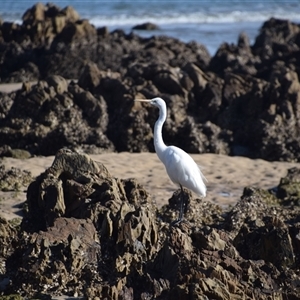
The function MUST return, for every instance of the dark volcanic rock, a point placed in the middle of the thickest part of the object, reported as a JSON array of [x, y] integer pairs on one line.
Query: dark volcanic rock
[[52, 114], [71, 171], [242, 101], [146, 26], [14, 179], [277, 39], [66, 252], [88, 234], [288, 188], [56, 41], [15, 153], [266, 239], [202, 117], [235, 58]]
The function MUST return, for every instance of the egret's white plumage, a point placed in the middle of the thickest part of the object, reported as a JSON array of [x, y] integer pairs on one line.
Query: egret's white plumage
[[179, 165]]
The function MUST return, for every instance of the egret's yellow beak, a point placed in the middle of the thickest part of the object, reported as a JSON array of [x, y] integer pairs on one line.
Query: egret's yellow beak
[[143, 100]]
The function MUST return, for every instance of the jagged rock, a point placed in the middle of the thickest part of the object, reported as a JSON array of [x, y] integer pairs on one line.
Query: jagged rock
[[74, 31], [289, 188], [8, 233], [55, 109], [91, 78], [211, 101], [15, 153], [197, 211], [198, 77], [121, 211], [250, 251], [208, 239], [71, 38], [59, 257], [276, 39], [213, 289], [14, 179], [5, 104], [146, 26], [42, 22], [251, 207], [35, 14], [63, 187], [258, 227], [92, 235], [59, 84], [237, 87], [168, 82], [266, 239], [235, 58]]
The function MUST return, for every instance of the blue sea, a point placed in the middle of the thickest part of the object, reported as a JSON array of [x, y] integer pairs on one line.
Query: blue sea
[[207, 22]]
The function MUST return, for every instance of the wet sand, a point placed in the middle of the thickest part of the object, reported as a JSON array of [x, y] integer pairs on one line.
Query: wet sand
[[227, 176]]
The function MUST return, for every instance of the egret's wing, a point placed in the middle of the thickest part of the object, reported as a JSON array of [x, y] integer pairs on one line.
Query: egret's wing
[[171, 162], [202, 176], [183, 170]]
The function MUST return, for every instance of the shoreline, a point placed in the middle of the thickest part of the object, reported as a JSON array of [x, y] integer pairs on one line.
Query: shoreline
[[227, 176]]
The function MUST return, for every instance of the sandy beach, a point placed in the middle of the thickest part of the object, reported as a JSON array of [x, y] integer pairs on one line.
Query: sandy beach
[[227, 176]]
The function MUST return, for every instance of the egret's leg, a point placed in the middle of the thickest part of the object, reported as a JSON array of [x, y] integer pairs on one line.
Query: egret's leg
[[181, 210], [181, 204]]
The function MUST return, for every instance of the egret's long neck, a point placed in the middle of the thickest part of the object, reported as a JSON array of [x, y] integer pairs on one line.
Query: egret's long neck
[[159, 144]]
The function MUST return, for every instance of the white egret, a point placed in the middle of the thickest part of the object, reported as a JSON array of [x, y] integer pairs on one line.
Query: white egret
[[180, 166]]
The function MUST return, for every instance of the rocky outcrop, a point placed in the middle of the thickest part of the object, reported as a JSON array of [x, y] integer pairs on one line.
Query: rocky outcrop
[[14, 179], [146, 26], [53, 41], [88, 234], [47, 116], [248, 116], [242, 101]]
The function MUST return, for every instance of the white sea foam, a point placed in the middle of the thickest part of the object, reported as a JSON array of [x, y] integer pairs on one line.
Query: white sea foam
[[191, 18], [209, 22]]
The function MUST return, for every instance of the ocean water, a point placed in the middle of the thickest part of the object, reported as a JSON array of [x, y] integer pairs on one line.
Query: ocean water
[[207, 22]]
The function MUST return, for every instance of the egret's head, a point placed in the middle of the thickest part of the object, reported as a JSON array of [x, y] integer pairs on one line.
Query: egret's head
[[158, 102]]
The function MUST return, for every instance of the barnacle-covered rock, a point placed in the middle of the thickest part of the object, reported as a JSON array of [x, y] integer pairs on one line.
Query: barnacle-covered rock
[[89, 234], [289, 188], [14, 179], [59, 257]]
